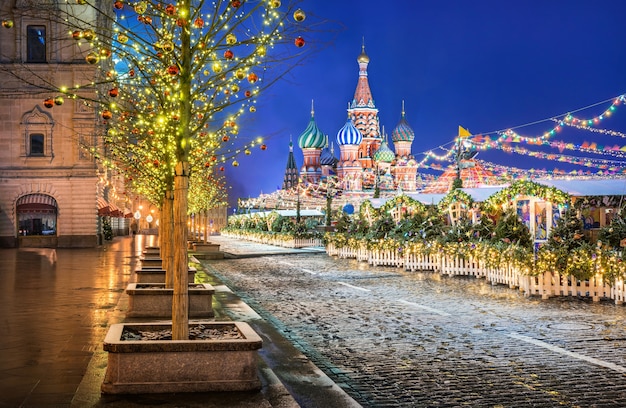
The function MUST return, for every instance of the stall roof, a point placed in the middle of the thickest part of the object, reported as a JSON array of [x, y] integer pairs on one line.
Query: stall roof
[[480, 194], [583, 188]]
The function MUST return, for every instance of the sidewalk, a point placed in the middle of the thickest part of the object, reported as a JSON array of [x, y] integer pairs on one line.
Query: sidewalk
[[56, 306]]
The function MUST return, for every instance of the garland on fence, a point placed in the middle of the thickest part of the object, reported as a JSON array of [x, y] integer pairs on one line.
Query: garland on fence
[[579, 263]]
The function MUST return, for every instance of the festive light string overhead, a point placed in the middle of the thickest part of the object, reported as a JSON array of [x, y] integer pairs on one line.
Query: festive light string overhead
[[483, 142]]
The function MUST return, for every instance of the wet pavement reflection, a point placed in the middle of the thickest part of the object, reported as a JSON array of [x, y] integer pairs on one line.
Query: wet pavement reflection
[[55, 305]]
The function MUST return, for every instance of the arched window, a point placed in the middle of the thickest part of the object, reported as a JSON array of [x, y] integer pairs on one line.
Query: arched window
[[36, 214], [37, 130]]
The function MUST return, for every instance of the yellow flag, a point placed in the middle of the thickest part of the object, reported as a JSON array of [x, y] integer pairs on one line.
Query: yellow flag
[[464, 132]]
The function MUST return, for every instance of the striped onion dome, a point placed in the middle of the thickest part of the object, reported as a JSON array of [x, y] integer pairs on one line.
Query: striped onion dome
[[327, 157], [349, 134], [403, 132], [312, 137], [384, 153]]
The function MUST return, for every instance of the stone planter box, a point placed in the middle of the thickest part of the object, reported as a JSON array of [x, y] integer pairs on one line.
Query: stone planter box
[[207, 251], [156, 275], [152, 252], [166, 366], [206, 247], [154, 300], [149, 261]]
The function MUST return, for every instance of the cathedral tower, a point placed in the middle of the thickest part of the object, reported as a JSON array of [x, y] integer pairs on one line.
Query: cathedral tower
[[364, 114], [311, 141]]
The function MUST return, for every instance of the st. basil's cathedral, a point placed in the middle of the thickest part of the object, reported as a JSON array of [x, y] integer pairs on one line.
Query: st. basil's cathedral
[[366, 162]]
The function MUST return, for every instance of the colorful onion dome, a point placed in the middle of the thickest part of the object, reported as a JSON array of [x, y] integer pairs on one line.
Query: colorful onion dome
[[327, 157], [403, 132], [384, 153], [349, 134], [312, 137]]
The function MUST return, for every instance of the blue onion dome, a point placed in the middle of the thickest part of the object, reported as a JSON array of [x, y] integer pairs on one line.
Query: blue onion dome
[[349, 134], [384, 153], [312, 137], [403, 132], [327, 157]]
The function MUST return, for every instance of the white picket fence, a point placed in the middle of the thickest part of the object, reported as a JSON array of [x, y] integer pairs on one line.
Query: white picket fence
[[545, 285], [276, 240]]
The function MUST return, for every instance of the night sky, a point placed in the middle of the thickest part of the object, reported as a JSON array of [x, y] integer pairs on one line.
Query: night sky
[[485, 65]]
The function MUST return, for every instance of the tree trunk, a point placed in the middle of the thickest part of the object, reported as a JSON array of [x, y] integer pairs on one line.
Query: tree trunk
[[180, 302], [167, 230]]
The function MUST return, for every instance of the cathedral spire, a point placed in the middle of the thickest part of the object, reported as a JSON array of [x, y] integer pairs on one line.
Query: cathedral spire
[[363, 94], [291, 172]]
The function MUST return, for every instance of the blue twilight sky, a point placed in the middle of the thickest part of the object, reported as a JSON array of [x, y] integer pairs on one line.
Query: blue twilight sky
[[487, 65]]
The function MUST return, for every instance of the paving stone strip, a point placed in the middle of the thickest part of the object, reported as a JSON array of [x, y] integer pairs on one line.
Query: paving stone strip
[[418, 339]]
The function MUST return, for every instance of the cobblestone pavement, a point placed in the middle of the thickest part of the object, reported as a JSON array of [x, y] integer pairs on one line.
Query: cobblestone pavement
[[396, 338]]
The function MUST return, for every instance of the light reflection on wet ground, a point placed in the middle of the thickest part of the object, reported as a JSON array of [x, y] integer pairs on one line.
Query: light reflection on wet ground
[[54, 309]]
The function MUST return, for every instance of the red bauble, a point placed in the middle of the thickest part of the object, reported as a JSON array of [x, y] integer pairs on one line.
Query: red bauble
[[235, 3], [228, 54], [222, 168], [106, 115], [155, 163], [113, 92], [77, 35], [225, 138], [198, 23], [252, 77], [248, 94], [118, 5], [207, 164], [172, 70], [48, 103], [263, 147], [131, 73], [299, 42], [170, 10]]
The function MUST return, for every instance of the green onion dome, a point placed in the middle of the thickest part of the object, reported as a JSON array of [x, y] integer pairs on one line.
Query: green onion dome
[[312, 137], [384, 153]]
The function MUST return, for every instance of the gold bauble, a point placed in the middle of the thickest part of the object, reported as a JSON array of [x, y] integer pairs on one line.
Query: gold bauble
[[299, 15]]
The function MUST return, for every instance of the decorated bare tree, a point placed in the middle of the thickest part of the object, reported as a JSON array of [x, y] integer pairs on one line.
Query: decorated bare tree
[[173, 80]]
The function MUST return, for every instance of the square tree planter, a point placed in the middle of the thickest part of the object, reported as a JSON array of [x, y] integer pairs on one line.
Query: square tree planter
[[156, 275], [154, 300], [207, 251], [152, 251], [168, 366], [153, 261]]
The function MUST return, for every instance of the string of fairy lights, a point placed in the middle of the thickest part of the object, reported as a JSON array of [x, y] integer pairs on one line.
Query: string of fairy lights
[[505, 139], [235, 48]]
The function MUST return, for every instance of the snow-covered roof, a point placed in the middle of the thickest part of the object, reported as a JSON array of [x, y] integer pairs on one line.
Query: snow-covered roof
[[480, 194], [582, 188], [427, 198]]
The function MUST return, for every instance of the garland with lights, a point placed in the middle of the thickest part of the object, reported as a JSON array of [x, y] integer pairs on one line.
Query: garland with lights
[[525, 188]]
